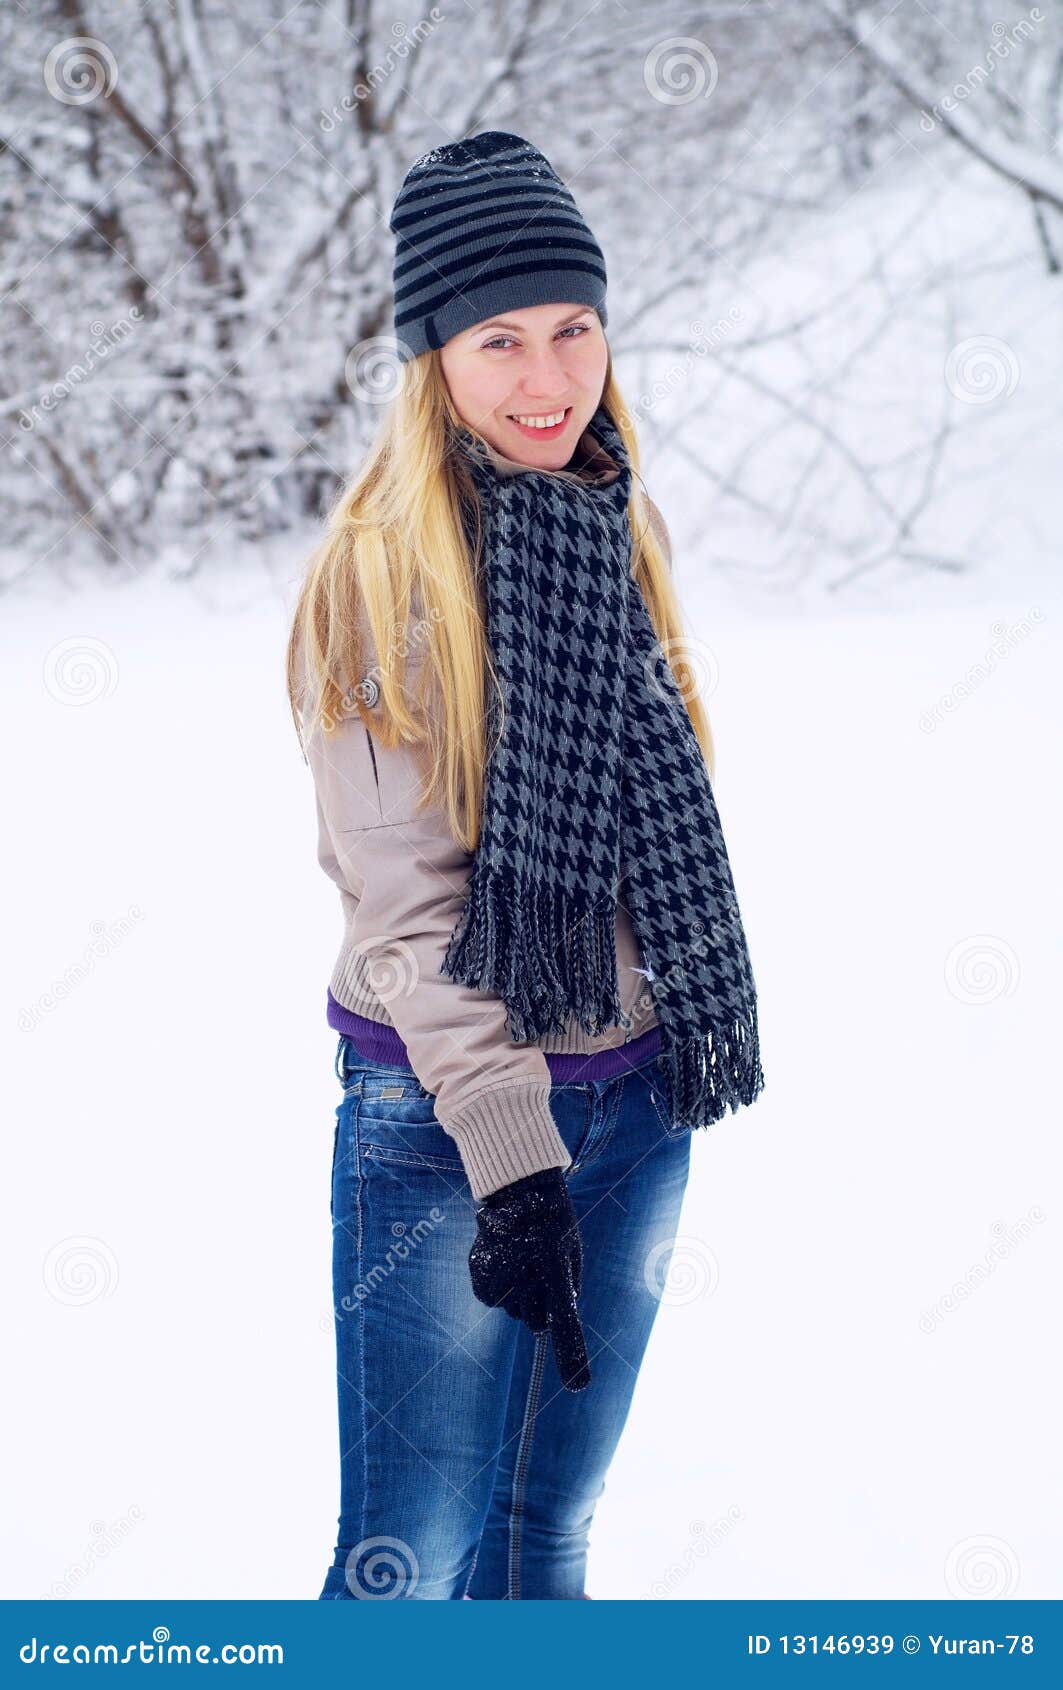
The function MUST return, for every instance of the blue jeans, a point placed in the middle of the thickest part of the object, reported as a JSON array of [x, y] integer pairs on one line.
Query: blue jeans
[[466, 1468]]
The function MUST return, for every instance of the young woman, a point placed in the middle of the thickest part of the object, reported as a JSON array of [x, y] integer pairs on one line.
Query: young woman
[[544, 983]]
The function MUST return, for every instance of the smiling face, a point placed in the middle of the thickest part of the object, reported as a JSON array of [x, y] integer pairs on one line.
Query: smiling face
[[544, 362]]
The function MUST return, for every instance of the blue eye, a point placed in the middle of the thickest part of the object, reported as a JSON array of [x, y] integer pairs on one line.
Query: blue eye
[[490, 345]]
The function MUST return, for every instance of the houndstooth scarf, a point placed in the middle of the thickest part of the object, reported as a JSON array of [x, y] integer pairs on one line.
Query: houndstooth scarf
[[597, 791]]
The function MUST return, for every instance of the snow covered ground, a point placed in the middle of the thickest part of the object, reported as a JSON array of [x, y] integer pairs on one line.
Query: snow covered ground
[[171, 1115], [853, 1385]]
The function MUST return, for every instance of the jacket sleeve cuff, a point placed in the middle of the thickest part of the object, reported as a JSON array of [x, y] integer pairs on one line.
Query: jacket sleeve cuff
[[506, 1132]]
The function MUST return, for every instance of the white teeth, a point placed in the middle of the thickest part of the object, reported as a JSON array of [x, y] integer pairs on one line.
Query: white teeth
[[541, 422]]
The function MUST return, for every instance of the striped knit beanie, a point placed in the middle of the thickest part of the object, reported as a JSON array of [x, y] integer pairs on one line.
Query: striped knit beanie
[[482, 226]]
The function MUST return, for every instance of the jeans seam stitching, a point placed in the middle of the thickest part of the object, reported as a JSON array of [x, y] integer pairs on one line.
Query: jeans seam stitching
[[520, 1467], [359, 1182]]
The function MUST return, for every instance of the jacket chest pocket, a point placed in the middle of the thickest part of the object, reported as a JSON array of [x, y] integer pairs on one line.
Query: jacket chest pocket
[[395, 775]]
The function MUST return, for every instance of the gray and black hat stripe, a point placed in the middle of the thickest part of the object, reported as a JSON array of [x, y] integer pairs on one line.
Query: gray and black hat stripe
[[482, 226]]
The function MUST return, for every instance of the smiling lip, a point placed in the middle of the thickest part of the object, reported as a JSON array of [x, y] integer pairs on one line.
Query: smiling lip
[[542, 433]]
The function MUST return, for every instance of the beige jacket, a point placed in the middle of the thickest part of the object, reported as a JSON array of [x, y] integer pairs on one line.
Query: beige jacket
[[402, 880]]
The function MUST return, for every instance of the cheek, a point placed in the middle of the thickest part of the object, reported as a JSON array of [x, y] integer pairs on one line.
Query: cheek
[[591, 358], [476, 386]]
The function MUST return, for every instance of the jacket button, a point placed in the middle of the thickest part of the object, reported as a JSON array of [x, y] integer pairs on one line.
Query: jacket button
[[370, 691]]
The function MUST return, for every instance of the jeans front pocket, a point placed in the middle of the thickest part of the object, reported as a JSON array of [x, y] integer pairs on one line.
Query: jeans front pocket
[[415, 1158], [335, 1151], [397, 1124], [572, 1107], [651, 1077]]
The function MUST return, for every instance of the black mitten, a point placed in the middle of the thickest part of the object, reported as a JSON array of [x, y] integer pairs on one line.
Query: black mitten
[[527, 1258]]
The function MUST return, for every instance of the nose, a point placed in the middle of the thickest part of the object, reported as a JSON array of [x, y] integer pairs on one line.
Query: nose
[[544, 376]]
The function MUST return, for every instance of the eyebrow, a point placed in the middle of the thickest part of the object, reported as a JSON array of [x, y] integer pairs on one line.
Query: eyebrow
[[501, 322]]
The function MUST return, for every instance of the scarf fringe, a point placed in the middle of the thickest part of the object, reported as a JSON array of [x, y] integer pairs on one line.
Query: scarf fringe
[[714, 1071], [547, 954]]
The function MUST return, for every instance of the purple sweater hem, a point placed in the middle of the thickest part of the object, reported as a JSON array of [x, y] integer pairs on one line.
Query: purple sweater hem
[[377, 1042]]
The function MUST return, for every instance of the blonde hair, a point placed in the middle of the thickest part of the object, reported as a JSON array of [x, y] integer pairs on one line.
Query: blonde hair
[[395, 565]]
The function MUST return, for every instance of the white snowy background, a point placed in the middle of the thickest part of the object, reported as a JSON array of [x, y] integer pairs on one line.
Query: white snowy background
[[834, 235]]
